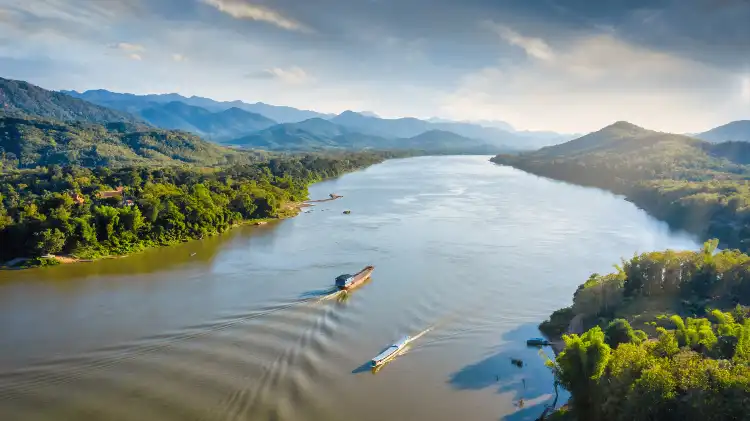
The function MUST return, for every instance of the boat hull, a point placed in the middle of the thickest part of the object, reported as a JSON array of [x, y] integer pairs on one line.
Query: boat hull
[[358, 279]]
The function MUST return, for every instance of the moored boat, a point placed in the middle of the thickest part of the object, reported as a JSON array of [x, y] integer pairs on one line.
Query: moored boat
[[537, 342], [346, 281], [390, 352]]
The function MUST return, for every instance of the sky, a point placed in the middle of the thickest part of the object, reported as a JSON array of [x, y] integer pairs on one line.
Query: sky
[[564, 65]]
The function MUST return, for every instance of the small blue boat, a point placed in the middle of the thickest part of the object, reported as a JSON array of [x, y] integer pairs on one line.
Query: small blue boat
[[390, 352], [537, 342]]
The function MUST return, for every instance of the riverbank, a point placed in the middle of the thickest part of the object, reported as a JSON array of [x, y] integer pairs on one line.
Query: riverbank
[[286, 211], [706, 209]]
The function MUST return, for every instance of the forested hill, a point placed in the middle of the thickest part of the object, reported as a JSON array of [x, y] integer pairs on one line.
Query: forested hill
[[22, 98], [97, 212], [31, 142], [692, 184], [668, 339]]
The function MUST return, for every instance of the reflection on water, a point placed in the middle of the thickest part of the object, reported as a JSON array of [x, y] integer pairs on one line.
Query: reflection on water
[[247, 326]]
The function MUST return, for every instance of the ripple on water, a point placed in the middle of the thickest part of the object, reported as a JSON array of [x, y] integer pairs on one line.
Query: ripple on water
[[473, 254]]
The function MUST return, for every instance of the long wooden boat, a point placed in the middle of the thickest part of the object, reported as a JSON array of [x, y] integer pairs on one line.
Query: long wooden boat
[[347, 282], [390, 352]]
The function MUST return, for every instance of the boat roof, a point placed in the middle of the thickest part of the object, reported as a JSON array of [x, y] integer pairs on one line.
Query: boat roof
[[385, 354]]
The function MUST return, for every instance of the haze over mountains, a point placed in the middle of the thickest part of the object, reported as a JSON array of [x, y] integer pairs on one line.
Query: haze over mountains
[[736, 130], [45, 127], [151, 108]]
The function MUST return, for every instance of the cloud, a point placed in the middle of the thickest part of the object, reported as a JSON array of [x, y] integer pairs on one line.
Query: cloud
[[178, 57], [241, 9], [291, 76], [745, 88], [132, 51], [534, 47], [593, 81], [128, 47]]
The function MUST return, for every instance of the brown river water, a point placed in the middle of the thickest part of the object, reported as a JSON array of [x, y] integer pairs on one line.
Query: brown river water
[[240, 327]]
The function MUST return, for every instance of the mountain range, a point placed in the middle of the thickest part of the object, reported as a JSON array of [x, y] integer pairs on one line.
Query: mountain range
[[135, 103], [221, 125], [320, 134], [49, 125], [151, 108]]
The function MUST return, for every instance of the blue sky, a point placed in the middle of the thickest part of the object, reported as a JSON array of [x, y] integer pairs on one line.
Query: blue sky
[[564, 65]]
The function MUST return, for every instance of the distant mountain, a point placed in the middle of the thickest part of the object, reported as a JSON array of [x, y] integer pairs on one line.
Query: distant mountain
[[318, 134], [618, 137], [623, 153], [736, 131], [131, 103], [401, 127], [447, 142], [312, 134], [227, 124], [30, 142], [410, 127], [485, 123], [22, 98]]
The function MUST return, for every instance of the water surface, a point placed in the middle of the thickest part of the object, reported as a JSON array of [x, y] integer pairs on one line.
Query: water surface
[[239, 327]]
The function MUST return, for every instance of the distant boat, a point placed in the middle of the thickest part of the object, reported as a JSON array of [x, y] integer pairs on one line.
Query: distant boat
[[347, 282], [390, 352], [537, 342]]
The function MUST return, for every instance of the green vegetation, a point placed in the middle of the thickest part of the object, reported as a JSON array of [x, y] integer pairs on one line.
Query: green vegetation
[[98, 212], [22, 98], [30, 142], [694, 185], [694, 362]]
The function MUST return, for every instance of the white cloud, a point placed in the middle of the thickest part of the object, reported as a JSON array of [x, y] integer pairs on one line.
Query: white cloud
[[241, 9], [128, 47], [292, 76], [593, 81], [178, 57], [745, 88], [535, 47], [132, 51]]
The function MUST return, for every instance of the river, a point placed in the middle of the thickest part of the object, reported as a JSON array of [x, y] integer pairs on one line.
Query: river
[[239, 327]]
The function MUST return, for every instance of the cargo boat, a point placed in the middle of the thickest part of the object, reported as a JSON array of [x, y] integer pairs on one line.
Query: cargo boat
[[390, 352], [346, 281]]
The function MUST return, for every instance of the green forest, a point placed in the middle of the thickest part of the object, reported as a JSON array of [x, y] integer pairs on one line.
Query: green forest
[[668, 338], [89, 213]]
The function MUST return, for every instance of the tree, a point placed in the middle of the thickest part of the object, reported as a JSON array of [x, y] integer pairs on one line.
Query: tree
[[619, 332], [580, 366], [49, 241]]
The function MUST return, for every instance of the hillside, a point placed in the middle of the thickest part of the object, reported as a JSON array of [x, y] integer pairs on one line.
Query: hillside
[[216, 126], [694, 185], [22, 98], [734, 131], [31, 142], [136, 103], [320, 134], [665, 337], [624, 152]]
